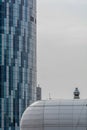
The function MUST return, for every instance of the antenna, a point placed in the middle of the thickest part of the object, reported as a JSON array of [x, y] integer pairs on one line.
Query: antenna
[[49, 96]]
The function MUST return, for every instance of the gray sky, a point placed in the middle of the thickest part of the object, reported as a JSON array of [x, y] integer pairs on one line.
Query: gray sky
[[62, 47]]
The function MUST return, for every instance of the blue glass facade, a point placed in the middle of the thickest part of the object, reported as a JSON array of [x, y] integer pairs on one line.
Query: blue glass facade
[[17, 60]]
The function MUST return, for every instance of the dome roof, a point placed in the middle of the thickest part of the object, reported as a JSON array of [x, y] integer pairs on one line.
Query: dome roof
[[55, 115]]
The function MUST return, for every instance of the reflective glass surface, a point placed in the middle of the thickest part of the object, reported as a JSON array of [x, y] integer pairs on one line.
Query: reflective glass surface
[[17, 60]]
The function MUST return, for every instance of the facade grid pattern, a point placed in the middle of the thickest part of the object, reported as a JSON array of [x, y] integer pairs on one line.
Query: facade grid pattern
[[17, 60], [55, 115]]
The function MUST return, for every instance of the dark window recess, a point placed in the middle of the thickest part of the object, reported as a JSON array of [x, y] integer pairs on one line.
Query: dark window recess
[[13, 1], [32, 18], [11, 14], [22, 2], [2, 29], [20, 12], [35, 21]]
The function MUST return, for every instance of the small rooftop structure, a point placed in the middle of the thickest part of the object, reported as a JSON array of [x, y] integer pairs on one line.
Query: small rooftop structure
[[38, 93], [55, 115], [76, 93]]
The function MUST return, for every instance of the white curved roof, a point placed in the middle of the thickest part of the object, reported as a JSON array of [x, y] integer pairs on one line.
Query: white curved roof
[[55, 115]]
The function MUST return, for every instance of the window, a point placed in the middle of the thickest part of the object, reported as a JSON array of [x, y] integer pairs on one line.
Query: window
[[31, 18]]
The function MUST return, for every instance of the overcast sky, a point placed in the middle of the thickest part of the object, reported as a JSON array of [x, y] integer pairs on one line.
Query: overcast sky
[[62, 47]]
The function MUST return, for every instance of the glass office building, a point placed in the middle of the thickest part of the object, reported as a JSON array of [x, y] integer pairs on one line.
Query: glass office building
[[17, 60]]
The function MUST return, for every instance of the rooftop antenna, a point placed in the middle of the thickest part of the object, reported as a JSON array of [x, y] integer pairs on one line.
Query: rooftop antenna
[[49, 96]]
